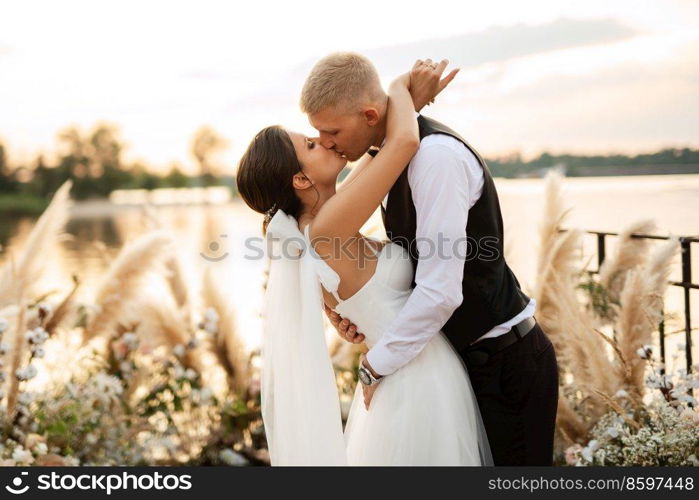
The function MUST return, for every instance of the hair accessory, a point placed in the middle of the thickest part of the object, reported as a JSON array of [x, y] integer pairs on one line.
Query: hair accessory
[[270, 213]]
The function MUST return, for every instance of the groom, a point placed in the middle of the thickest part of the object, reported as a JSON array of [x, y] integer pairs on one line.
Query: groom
[[445, 198]]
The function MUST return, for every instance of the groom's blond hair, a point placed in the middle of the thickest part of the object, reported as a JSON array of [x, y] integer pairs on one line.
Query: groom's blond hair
[[343, 80]]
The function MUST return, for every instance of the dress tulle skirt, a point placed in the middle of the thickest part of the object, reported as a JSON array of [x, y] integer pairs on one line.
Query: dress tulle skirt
[[423, 414]]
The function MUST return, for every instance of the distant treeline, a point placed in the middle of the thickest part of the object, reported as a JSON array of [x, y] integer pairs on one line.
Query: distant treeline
[[94, 163], [576, 165]]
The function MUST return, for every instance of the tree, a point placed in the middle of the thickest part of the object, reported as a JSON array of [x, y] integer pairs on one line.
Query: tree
[[176, 178], [93, 162], [205, 144]]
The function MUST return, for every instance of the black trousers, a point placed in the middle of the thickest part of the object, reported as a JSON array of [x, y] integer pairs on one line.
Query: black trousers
[[517, 393]]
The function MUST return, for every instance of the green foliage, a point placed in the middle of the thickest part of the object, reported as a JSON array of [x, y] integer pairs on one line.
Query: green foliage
[[512, 165], [598, 297], [21, 204]]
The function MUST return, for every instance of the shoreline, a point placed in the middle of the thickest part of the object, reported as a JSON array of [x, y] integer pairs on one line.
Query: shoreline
[[19, 205]]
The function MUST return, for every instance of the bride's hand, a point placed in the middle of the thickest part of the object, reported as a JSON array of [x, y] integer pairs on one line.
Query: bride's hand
[[425, 83]]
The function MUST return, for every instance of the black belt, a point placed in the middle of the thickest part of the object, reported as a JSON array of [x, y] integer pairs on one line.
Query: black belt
[[479, 353]]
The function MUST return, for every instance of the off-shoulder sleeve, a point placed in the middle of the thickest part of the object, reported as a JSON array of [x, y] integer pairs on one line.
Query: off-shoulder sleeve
[[326, 274]]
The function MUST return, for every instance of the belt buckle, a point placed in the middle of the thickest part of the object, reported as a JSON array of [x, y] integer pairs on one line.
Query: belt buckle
[[516, 330], [527, 322]]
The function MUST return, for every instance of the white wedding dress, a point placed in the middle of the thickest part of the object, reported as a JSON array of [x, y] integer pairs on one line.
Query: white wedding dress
[[425, 413]]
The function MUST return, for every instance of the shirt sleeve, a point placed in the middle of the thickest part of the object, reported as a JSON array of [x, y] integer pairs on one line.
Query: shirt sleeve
[[439, 185]]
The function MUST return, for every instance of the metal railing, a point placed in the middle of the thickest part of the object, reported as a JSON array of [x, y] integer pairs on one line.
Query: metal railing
[[686, 283]]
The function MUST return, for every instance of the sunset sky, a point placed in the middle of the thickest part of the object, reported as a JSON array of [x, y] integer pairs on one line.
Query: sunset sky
[[593, 76]]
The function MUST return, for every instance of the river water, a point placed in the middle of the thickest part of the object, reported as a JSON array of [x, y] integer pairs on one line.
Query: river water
[[216, 236]]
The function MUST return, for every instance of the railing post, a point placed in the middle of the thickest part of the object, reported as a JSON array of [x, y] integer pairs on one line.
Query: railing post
[[686, 281], [661, 331], [601, 250]]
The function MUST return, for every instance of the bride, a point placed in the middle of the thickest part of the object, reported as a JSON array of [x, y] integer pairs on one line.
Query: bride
[[423, 414]]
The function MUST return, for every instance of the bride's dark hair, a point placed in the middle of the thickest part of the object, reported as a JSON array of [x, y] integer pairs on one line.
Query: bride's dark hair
[[265, 174]]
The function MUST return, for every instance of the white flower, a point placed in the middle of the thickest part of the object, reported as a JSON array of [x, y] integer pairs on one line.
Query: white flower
[[658, 382], [588, 451], [210, 314], [613, 432], [21, 455], [179, 371], [621, 393], [107, 384], [38, 351], [40, 335], [190, 374], [4, 347], [211, 327], [687, 399], [36, 336], [645, 352], [45, 308], [25, 398], [178, 350], [232, 458], [26, 373], [125, 366], [41, 449], [205, 395], [130, 339], [4, 325]]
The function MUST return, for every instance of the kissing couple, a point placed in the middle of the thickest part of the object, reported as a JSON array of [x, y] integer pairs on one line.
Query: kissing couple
[[458, 371]]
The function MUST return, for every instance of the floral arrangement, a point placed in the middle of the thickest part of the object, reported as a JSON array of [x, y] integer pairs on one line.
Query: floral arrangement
[[660, 432], [128, 379], [617, 404]]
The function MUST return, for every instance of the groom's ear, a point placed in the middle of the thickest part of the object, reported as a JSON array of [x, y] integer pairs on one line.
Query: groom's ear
[[372, 116]]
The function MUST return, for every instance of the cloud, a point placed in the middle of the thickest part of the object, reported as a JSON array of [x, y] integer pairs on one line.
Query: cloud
[[632, 106], [496, 44], [502, 43]]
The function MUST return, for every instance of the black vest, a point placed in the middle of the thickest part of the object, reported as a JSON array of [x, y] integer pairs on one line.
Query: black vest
[[491, 292]]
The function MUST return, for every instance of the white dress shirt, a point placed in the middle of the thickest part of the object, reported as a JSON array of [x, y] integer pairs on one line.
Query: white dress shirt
[[446, 180]]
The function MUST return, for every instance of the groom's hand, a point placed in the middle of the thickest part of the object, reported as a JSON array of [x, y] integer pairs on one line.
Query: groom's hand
[[425, 83], [346, 329]]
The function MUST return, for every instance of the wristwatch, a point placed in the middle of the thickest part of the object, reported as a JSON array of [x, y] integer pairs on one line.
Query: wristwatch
[[365, 376]]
